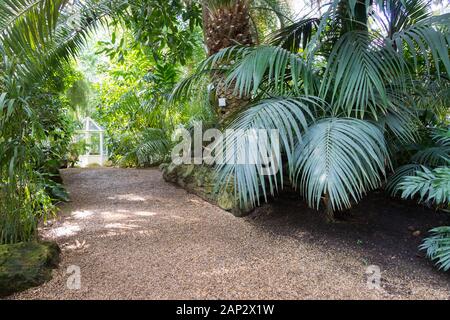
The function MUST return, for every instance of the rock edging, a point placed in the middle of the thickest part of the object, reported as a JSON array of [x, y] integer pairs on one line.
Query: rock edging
[[26, 264], [199, 180]]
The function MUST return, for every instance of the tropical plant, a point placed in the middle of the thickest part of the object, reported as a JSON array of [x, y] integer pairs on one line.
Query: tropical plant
[[76, 149], [426, 165], [35, 127], [228, 23], [431, 186], [437, 247], [132, 104], [426, 174], [361, 62], [32, 135]]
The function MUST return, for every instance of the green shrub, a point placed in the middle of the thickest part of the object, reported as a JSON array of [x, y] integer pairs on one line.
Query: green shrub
[[437, 247]]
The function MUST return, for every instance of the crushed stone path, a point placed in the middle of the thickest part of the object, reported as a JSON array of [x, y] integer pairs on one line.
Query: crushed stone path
[[134, 236]]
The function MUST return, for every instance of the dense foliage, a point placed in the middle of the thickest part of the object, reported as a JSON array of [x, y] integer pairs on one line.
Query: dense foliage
[[356, 94], [42, 95], [35, 135], [358, 91], [366, 87]]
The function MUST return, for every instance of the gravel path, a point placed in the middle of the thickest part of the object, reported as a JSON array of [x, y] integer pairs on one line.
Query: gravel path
[[136, 237]]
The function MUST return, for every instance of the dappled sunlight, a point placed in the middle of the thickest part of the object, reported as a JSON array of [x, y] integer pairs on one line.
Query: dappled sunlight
[[112, 216], [77, 245], [121, 226], [144, 213], [225, 149], [118, 222], [128, 233], [82, 214], [174, 216], [223, 270], [127, 197], [65, 230], [125, 214], [114, 222]]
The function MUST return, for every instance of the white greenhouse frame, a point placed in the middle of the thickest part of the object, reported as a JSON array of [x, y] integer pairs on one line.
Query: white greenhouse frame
[[90, 128]]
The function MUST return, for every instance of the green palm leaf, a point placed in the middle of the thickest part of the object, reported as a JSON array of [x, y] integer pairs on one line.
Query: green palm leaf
[[428, 40], [432, 156], [153, 147], [274, 66], [438, 154], [296, 35], [340, 158], [393, 15], [218, 63], [358, 69], [36, 15], [401, 123], [290, 117], [399, 174], [47, 32], [431, 186], [437, 247]]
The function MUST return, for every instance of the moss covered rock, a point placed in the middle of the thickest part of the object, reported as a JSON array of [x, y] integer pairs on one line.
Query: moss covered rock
[[200, 180], [26, 265]]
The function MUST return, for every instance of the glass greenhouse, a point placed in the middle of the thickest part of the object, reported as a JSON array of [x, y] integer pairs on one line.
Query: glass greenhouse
[[93, 134]]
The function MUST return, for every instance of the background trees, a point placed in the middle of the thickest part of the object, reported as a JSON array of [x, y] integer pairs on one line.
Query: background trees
[[40, 92]]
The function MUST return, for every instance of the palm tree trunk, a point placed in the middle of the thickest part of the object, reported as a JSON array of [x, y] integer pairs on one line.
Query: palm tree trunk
[[357, 22], [226, 25], [329, 212]]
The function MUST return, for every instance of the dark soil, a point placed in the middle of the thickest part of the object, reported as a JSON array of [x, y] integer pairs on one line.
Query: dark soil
[[386, 231]]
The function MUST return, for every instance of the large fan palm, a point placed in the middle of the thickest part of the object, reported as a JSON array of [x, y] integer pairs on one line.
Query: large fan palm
[[363, 71]]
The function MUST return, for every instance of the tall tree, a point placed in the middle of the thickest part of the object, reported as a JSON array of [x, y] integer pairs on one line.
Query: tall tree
[[226, 23]]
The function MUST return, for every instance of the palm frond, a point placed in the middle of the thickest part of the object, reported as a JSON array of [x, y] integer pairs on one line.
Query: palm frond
[[393, 15], [273, 66], [38, 17], [296, 35], [428, 40], [437, 247], [341, 159], [41, 43], [242, 165], [441, 137], [218, 63], [399, 174], [431, 186], [358, 69], [433, 156], [153, 147], [401, 121]]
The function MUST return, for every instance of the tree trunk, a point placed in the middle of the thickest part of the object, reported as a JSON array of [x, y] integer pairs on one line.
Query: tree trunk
[[355, 22], [227, 26], [329, 212]]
